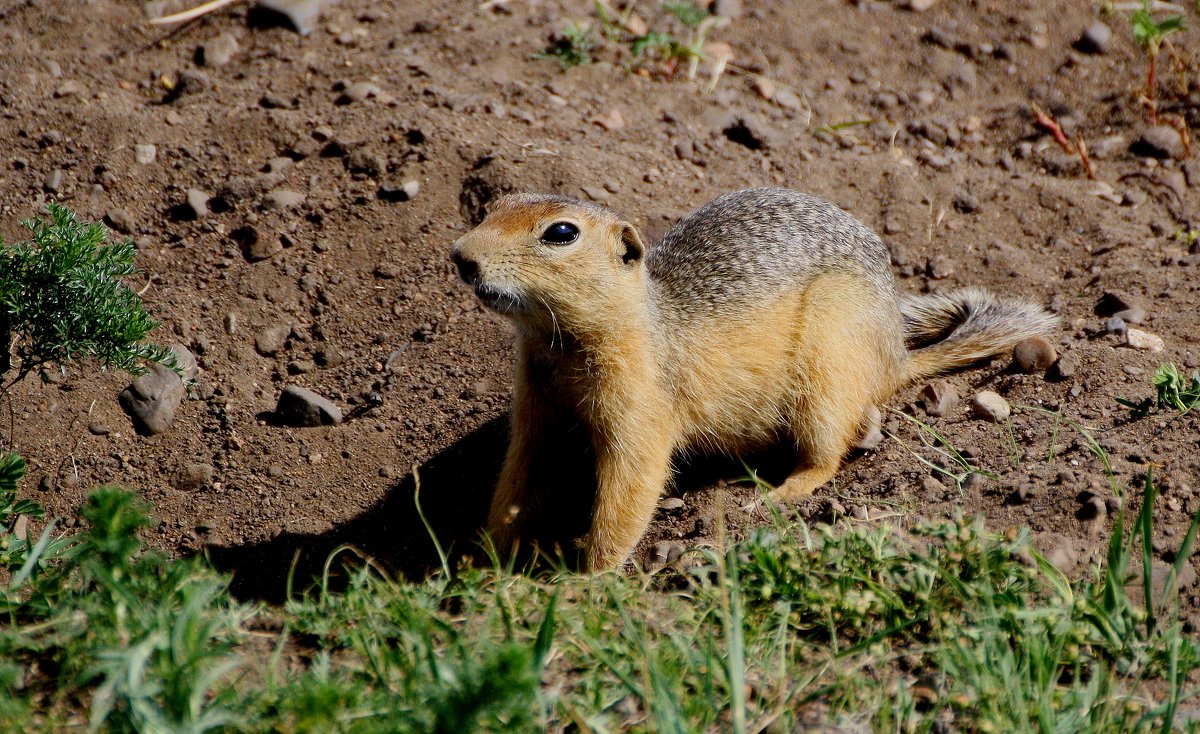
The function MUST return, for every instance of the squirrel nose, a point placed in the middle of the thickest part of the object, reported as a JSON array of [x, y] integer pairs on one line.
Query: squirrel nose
[[468, 269]]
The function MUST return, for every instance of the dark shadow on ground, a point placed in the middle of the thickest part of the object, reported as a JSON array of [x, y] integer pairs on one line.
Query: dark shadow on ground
[[456, 489]]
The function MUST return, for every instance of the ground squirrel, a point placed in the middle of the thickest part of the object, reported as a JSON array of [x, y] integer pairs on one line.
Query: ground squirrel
[[766, 315]]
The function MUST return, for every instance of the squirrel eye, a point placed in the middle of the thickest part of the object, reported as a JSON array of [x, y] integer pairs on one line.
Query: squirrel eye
[[560, 233]]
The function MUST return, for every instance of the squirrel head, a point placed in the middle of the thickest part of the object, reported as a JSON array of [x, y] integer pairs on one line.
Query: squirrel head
[[552, 260]]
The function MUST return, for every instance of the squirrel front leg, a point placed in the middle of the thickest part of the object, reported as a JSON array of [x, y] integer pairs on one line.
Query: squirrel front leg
[[632, 470], [515, 501]]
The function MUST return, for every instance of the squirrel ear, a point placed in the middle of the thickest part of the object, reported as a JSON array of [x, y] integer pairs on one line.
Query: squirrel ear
[[635, 249]]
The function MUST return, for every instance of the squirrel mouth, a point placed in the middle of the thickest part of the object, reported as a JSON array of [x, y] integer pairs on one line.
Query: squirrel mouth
[[500, 301]]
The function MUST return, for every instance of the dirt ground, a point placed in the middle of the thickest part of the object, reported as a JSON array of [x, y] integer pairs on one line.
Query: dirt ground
[[346, 288]]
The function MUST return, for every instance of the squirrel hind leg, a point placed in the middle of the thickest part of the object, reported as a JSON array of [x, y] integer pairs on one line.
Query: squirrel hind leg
[[850, 357]]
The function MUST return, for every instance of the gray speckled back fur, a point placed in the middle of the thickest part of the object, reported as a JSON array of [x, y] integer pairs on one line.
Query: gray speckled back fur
[[756, 243]]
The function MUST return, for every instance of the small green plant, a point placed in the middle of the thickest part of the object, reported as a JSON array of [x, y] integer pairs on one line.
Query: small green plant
[[1150, 34], [1174, 392], [688, 13], [572, 47], [62, 298], [662, 48], [960, 467], [1187, 237]]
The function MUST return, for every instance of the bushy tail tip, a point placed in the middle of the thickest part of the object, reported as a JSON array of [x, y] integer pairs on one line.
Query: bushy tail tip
[[955, 329]]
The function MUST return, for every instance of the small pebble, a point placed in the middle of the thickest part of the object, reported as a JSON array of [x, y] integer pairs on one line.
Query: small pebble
[[939, 267], [197, 204], [965, 203], [939, 398], [1132, 315], [99, 429], [1160, 141], [302, 14], [671, 504], [69, 89], [271, 340], [300, 407], [933, 487], [145, 154], [406, 191], [1066, 366], [1034, 355], [1094, 508], [1143, 340], [989, 406], [218, 50], [283, 199], [120, 220], [359, 91], [193, 476], [1094, 39], [1059, 550], [53, 181]]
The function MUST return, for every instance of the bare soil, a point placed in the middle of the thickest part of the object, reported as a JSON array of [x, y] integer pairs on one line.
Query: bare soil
[[946, 164]]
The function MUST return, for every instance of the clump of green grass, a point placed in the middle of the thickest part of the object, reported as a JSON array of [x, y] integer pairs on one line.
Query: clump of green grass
[[579, 43], [1173, 392], [946, 622], [63, 298], [573, 47]]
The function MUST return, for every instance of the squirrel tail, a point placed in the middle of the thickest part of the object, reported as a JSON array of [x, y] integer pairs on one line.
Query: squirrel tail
[[955, 329]]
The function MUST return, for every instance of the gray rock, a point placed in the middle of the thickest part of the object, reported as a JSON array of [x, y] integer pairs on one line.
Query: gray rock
[[145, 154], [671, 504], [939, 267], [1133, 315], [1066, 366], [751, 131], [359, 91], [189, 82], [965, 203], [1108, 147], [254, 247], [1059, 550], [1094, 39], [283, 199], [1093, 508], [152, 399], [300, 407], [1033, 356], [196, 206], [53, 181], [939, 398], [70, 88], [727, 8], [403, 192], [193, 476], [1160, 582], [218, 51], [99, 429], [1191, 171], [989, 406], [302, 14], [120, 220], [271, 340], [1160, 141], [1144, 340]]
